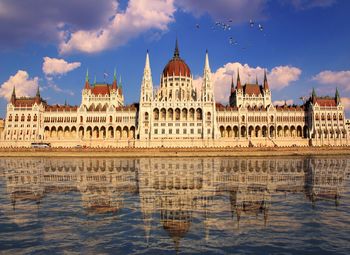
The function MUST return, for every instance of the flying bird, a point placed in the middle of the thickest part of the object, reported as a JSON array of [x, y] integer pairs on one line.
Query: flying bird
[[251, 23], [197, 26], [261, 28]]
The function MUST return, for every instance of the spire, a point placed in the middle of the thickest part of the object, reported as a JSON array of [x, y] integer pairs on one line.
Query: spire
[[38, 92], [87, 84], [266, 84], [95, 79], [206, 65], [176, 52], [120, 86], [147, 64], [337, 97], [313, 95], [13, 96], [37, 96], [256, 79], [65, 102], [238, 86], [14, 91], [114, 85], [87, 75], [313, 92], [232, 85]]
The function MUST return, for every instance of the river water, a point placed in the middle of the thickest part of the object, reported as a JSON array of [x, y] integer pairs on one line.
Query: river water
[[277, 205]]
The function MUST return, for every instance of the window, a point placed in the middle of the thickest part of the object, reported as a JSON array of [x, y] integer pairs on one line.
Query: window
[[163, 131], [170, 131], [177, 131], [156, 131], [208, 131], [192, 131], [199, 131], [185, 131]]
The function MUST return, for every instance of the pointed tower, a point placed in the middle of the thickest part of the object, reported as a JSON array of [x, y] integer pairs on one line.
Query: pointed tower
[[115, 85], [146, 99], [208, 93], [147, 84], [37, 96], [209, 107], [233, 91], [13, 96], [266, 92], [266, 84], [87, 84], [313, 96], [120, 89], [238, 84], [256, 80], [176, 51], [337, 97]]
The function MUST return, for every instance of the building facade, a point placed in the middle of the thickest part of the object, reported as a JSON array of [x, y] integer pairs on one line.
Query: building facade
[[175, 115]]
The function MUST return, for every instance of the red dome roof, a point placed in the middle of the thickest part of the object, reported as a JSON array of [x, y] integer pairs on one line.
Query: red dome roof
[[176, 66]]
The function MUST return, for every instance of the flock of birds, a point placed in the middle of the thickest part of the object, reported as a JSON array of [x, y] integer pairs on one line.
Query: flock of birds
[[226, 26]]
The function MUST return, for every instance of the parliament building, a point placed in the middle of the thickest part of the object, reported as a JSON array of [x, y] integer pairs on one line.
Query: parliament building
[[175, 115]]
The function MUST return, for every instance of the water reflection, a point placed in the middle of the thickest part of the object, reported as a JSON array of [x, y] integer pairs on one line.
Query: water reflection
[[174, 194]]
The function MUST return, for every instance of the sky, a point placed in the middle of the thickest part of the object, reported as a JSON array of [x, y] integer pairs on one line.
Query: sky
[[301, 44]]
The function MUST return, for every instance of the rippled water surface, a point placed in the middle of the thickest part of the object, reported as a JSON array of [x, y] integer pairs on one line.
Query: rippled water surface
[[291, 205]]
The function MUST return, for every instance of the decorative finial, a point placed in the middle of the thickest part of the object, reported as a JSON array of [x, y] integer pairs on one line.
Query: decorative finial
[[176, 52], [87, 75]]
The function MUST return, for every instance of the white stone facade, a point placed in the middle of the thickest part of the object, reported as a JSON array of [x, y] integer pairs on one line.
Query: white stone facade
[[175, 115]]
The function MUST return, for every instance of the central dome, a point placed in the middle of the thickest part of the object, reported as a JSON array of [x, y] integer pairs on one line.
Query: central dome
[[176, 66]]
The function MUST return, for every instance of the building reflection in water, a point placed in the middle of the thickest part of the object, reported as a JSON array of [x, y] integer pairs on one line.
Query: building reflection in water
[[173, 192]]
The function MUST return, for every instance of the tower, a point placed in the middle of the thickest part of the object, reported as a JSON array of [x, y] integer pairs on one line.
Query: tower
[[208, 101], [13, 96], [146, 98], [147, 84], [208, 93]]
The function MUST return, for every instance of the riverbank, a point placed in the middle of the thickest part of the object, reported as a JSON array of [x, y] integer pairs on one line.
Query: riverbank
[[176, 152]]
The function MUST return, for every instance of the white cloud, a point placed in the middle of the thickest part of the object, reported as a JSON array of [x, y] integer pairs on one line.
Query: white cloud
[[23, 84], [282, 76], [346, 102], [340, 78], [55, 66], [279, 77], [42, 21], [139, 17], [282, 102]]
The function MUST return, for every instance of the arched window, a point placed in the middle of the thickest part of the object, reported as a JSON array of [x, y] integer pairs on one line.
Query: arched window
[[146, 116], [29, 118], [35, 118], [323, 117], [16, 117], [328, 116], [81, 118], [340, 116], [110, 118], [334, 116], [208, 116], [317, 117], [10, 117]]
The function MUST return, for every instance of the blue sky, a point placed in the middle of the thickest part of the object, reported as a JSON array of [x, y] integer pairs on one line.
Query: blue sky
[[304, 44]]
